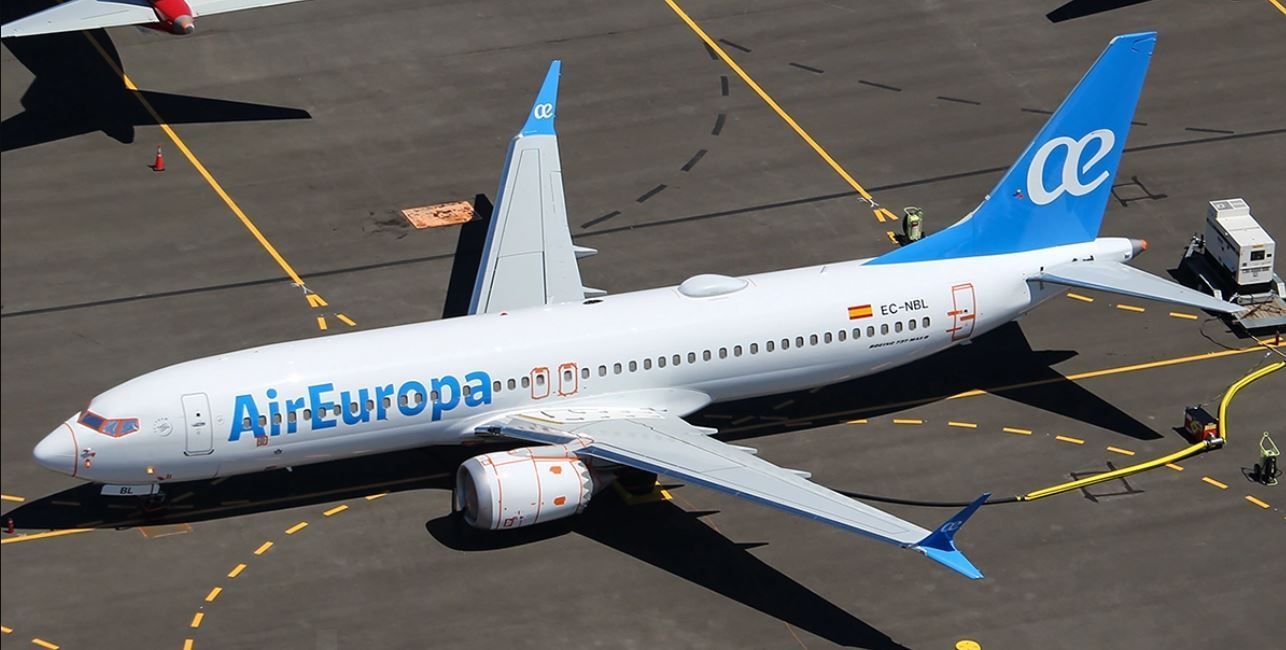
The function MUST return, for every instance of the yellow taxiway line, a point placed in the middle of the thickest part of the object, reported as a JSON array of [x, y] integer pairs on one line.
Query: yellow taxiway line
[[880, 213], [53, 533], [201, 169]]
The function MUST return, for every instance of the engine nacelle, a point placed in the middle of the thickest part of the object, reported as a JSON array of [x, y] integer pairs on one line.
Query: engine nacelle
[[175, 15], [521, 487]]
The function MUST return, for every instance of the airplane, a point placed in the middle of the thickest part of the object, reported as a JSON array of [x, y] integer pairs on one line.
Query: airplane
[[173, 16], [600, 384]]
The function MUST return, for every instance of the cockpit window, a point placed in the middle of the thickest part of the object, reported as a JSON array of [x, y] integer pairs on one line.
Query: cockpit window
[[115, 428]]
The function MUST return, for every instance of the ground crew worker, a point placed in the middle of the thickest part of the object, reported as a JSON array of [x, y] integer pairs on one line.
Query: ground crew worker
[[912, 224]]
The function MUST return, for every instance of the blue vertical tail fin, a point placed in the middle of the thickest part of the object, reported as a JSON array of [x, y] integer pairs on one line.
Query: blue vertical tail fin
[[1056, 192]]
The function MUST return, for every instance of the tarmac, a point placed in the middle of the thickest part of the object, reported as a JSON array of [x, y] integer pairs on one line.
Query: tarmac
[[319, 122]]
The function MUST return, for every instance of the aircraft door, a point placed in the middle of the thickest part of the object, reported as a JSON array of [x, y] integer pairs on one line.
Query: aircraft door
[[200, 428], [540, 383], [568, 381], [962, 312]]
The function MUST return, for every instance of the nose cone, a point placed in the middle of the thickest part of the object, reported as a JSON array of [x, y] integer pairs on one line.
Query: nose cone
[[58, 451], [184, 25]]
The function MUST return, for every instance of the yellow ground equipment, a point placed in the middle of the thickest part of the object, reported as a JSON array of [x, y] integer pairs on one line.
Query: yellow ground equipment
[[1266, 470]]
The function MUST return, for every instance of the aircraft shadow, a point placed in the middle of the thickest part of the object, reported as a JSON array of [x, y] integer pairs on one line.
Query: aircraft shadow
[[660, 534], [76, 92], [1082, 8], [1001, 362], [676, 541]]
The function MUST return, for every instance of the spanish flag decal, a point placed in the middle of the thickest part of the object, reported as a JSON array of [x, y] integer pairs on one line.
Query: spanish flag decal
[[860, 311]]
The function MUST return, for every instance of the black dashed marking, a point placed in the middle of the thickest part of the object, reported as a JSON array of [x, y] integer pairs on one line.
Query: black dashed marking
[[1037, 111], [723, 84], [710, 51], [1139, 123], [879, 85], [651, 193], [808, 68], [959, 100], [718, 124], [595, 222], [1199, 130], [734, 45], [696, 158]]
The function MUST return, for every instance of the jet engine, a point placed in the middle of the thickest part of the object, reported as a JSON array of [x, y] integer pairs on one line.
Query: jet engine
[[525, 486], [175, 15]]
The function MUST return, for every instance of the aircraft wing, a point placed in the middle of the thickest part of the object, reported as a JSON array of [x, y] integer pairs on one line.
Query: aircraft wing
[[656, 441], [94, 14], [528, 258]]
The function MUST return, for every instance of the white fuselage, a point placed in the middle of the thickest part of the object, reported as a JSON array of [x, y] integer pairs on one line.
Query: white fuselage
[[434, 383]]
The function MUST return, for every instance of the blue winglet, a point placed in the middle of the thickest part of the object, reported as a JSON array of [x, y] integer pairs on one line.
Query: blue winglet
[[940, 546], [540, 121]]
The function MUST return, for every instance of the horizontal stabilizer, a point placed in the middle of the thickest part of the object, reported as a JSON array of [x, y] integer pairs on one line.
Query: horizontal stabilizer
[[940, 545], [1115, 277]]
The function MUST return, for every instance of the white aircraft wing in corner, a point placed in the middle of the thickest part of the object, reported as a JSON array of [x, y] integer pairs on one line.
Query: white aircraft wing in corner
[[656, 441], [173, 15], [528, 259]]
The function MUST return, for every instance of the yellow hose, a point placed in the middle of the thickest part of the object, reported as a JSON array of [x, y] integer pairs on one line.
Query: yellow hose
[[1223, 405], [1178, 455]]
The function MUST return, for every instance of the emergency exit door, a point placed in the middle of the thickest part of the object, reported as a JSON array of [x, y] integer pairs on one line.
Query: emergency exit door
[[200, 429], [962, 312]]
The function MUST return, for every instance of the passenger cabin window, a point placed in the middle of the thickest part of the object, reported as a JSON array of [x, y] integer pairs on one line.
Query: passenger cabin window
[[568, 375], [526, 382], [308, 415], [736, 350], [754, 348], [768, 347], [647, 363], [705, 355], [634, 366], [677, 359], [843, 334], [870, 331], [723, 353], [660, 362], [926, 321], [897, 327], [616, 368], [827, 338], [512, 383], [799, 341], [785, 344], [911, 324], [884, 328], [812, 340], [495, 387], [584, 373], [602, 371]]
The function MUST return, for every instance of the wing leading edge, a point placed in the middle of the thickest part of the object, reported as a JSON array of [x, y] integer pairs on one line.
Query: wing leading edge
[[656, 441], [95, 14], [528, 258]]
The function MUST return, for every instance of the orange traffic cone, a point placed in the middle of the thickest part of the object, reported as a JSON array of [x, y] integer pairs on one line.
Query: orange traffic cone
[[159, 164]]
